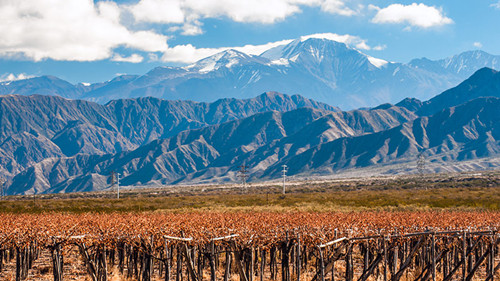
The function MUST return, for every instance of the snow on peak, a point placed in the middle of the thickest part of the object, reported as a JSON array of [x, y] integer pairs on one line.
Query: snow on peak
[[280, 61], [227, 58], [316, 46], [378, 63], [325, 36]]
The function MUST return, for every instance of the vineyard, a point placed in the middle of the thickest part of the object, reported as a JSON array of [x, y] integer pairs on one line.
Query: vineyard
[[370, 245]]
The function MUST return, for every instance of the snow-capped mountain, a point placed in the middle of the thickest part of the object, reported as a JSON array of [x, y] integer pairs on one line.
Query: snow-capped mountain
[[317, 68], [225, 59], [315, 52], [463, 65]]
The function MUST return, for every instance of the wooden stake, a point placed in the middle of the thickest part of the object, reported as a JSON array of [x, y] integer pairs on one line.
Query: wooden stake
[[227, 272], [464, 255], [321, 265], [237, 260], [212, 261], [433, 256], [385, 258], [298, 259]]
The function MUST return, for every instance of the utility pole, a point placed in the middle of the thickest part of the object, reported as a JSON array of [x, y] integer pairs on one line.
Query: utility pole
[[283, 173], [243, 175]]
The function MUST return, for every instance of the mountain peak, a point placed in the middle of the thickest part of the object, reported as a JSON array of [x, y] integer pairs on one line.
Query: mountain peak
[[315, 47], [485, 71], [226, 58], [467, 62], [483, 83], [316, 50]]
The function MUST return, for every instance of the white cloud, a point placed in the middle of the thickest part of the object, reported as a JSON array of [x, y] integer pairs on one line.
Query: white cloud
[[336, 7], [192, 28], [380, 47], [418, 15], [12, 77], [260, 11], [134, 58], [255, 11], [496, 5], [477, 44], [189, 53], [158, 11], [75, 30], [88, 30]]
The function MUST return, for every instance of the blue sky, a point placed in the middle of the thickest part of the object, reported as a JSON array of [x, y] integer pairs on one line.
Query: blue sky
[[92, 41]]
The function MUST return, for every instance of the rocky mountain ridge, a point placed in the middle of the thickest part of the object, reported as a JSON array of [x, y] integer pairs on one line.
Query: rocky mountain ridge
[[36, 127]]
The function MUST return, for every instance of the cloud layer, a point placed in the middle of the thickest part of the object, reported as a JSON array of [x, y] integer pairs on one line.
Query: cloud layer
[[418, 15], [187, 12], [87, 30], [84, 30], [73, 30]]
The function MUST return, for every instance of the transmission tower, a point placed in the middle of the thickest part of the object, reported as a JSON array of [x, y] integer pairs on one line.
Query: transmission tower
[[243, 175], [283, 173], [421, 169], [115, 179]]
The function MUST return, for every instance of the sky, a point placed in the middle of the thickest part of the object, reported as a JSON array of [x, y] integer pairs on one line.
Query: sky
[[93, 41]]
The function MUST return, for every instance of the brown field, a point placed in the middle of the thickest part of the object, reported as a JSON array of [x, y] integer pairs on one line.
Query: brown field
[[478, 191], [369, 213]]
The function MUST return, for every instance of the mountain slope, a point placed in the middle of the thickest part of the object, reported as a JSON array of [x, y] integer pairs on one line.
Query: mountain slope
[[484, 83], [145, 119], [465, 132], [33, 128], [65, 144], [259, 140], [265, 141]]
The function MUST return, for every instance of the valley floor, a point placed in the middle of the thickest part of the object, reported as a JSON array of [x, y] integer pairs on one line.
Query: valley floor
[[474, 191]]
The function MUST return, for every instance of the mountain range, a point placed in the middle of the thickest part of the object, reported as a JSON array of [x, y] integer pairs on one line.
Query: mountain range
[[36, 127], [316, 68], [51, 144]]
